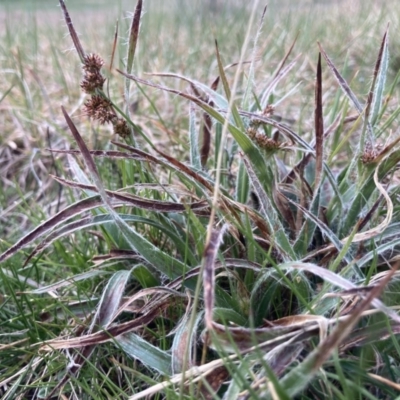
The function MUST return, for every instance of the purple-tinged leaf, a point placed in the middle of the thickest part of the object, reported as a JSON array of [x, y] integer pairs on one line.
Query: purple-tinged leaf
[[379, 81], [103, 153], [84, 223], [206, 144], [319, 129], [184, 344], [371, 95], [69, 212], [110, 300], [140, 202], [103, 336], [132, 44], [72, 32], [133, 36]]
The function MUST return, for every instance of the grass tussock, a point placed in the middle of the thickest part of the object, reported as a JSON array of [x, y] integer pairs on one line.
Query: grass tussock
[[227, 231]]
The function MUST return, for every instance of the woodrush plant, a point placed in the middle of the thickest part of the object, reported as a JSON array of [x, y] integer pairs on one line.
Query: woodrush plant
[[261, 265]]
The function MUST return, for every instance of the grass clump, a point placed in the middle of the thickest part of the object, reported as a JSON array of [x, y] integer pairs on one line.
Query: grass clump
[[252, 259]]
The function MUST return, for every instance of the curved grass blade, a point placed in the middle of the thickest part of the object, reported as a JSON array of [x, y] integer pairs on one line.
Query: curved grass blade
[[297, 379], [368, 189], [338, 280], [99, 220], [282, 128], [104, 316], [110, 300], [211, 92], [103, 336], [185, 340], [179, 167], [380, 250], [149, 355], [241, 339], [197, 372], [62, 216], [140, 202], [377, 230], [159, 259], [171, 163]]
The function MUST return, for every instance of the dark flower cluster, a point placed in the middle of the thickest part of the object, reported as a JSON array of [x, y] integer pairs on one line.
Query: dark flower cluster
[[263, 141], [100, 109], [92, 78], [121, 128], [370, 154], [98, 106]]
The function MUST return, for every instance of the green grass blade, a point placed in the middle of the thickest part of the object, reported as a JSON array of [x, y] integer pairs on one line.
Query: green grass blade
[[148, 354], [162, 261]]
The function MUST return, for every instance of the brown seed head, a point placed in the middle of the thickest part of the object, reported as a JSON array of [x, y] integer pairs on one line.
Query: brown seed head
[[251, 132], [266, 143], [369, 154], [100, 109], [92, 62], [91, 82], [269, 110], [121, 128], [92, 78]]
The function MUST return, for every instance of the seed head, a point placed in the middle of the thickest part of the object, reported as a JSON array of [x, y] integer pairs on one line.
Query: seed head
[[269, 110], [369, 154], [92, 62], [92, 78], [100, 109], [266, 143], [121, 128]]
